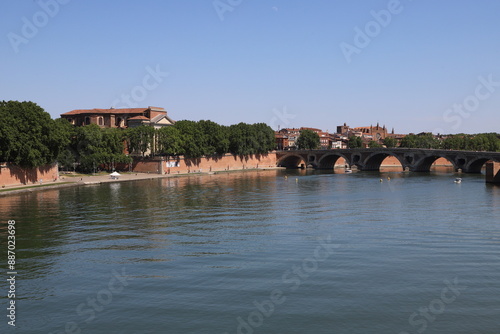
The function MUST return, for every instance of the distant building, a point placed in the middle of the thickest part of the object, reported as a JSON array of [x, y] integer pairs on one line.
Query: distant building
[[343, 129], [375, 133], [286, 138], [282, 142], [339, 141], [119, 118], [369, 133]]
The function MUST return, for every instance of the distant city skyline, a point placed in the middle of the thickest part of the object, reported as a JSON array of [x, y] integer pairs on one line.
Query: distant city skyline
[[415, 66]]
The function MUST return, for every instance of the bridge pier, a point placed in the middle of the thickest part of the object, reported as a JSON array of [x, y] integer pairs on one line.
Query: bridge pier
[[493, 172]]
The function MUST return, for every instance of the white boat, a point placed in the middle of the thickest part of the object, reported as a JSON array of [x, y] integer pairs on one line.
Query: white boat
[[458, 180], [348, 171]]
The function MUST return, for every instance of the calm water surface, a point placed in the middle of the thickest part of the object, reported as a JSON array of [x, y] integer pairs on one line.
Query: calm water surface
[[256, 252]]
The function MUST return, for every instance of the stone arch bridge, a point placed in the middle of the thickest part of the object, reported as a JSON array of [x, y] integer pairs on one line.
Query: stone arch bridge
[[370, 159]]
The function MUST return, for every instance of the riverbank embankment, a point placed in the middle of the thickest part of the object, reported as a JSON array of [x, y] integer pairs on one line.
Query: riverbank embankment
[[142, 169]]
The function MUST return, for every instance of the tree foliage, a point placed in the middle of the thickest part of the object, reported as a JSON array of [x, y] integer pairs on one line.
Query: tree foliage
[[215, 138], [193, 140], [374, 144], [355, 142], [242, 139], [308, 140], [94, 147], [206, 138], [29, 137], [169, 141], [140, 139], [390, 142], [480, 142], [426, 140]]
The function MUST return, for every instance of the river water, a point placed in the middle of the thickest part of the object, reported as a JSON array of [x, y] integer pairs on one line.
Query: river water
[[258, 252]]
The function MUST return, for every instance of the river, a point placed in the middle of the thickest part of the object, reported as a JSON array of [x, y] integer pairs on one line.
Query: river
[[258, 252]]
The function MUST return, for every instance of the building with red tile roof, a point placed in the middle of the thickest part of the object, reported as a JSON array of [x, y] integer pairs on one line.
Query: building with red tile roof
[[119, 118]]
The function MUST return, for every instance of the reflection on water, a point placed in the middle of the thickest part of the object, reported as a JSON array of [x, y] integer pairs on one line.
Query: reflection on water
[[202, 251]]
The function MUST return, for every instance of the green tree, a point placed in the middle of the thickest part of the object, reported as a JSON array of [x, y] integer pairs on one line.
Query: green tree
[[169, 141], [29, 137], [88, 147], [193, 143], [486, 142], [64, 135], [113, 140], [390, 142], [266, 141], [373, 144], [140, 139], [215, 138], [355, 142], [95, 147], [66, 159], [428, 140], [409, 141], [455, 142], [308, 140], [242, 139]]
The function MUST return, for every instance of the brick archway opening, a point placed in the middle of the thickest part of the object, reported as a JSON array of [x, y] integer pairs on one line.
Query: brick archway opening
[[291, 161], [383, 160], [331, 160], [443, 164], [434, 163], [477, 165]]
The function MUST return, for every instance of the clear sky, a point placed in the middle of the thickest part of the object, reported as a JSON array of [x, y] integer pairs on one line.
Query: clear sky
[[420, 65]]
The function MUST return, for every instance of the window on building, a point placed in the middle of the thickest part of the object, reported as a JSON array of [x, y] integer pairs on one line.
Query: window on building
[[87, 120], [101, 121]]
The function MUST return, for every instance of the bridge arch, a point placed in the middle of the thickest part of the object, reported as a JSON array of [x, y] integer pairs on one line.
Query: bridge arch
[[291, 161], [374, 160], [328, 160], [475, 165], [425, 163]]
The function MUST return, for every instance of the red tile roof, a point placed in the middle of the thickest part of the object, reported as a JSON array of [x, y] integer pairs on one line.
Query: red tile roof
[[106, 111], [138, 117]]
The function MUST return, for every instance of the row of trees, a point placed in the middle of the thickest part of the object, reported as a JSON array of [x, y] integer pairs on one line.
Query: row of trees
[[29, 137], [478, 142], [481, 142], [206, 138], [92, 146], [203, 138]]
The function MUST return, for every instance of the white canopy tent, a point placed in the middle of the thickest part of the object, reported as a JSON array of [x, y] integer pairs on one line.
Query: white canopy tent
[[115, 175]]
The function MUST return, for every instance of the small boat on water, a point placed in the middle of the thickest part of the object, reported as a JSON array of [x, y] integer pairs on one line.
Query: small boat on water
[[458, 180], [348, 171]]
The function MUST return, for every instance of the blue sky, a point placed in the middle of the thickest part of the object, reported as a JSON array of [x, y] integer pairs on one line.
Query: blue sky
[[418, 65]]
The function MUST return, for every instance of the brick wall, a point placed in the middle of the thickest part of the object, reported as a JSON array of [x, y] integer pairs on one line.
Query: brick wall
[[227, 162], [14, 175]]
